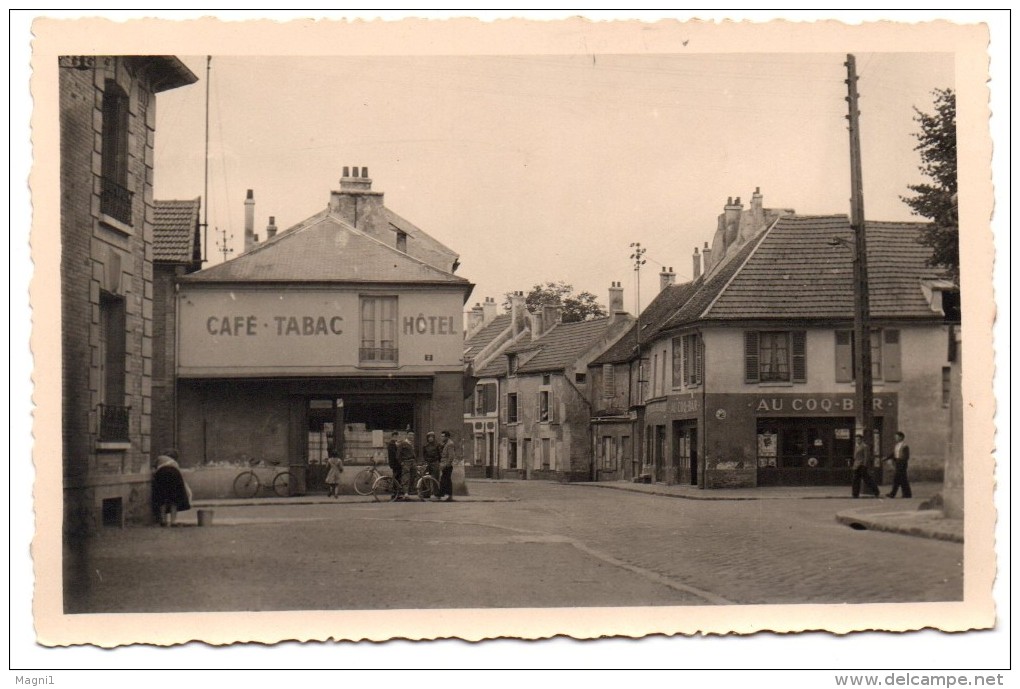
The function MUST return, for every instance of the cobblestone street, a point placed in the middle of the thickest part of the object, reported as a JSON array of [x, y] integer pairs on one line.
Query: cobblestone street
[[516, 544]]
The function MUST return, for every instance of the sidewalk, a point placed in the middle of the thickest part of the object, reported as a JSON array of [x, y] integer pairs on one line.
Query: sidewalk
[[320, 499], [885, 514]]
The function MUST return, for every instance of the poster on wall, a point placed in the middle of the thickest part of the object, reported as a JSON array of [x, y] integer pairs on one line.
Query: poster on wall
[[767, 443]]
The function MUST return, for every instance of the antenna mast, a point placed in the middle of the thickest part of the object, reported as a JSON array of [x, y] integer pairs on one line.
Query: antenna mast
[[205, 221]]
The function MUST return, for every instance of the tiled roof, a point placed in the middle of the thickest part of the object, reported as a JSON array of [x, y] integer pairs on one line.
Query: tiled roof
[[493, 369], [483, 337], [325, 249], [560, 346], [666, 302], [416, 233], [796, 273], [175, 229]]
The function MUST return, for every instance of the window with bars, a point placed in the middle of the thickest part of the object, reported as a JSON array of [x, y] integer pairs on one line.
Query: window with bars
[[115, 197], [378, 330], [775, 356]]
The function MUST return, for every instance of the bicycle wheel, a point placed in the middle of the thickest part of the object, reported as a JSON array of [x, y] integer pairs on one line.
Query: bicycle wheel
[[385, 488], [427, 487], [364, 481], [246, 485], [283, 483]]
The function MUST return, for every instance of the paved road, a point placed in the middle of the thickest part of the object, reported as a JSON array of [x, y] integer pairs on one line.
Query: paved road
[[534, 545]]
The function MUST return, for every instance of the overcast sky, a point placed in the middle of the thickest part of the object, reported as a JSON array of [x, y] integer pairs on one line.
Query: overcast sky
[[538, 168]]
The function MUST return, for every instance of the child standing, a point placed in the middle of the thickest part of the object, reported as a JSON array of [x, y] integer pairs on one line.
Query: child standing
[[336, 467]]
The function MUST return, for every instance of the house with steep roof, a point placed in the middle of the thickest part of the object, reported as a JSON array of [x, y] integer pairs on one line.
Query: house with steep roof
[[176, 251], [325, 336], [543, 398], [751, 376]]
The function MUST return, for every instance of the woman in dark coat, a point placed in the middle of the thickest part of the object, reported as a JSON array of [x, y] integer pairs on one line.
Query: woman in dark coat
[[169, 491]]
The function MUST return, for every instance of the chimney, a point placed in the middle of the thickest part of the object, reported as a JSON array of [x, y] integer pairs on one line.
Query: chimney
[[489, 309], [536, 325], [359, 206], [757, 212], [518, 313], [476, 318], [271, 227], [706, 259], [551, 315], [249, 221], [666, 278], [696, 260], [616, 298]]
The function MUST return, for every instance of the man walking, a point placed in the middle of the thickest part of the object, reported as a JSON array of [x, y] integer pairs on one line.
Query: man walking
[[446, 476], [900, 456], [861, 472]]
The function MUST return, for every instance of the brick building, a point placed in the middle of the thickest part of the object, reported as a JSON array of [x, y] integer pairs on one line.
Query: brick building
[[107, 135], [749, 380], [334, 332], [177, 250]]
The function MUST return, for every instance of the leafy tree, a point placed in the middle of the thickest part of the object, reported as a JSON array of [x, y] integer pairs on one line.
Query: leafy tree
[[937, 200], [583, 306]]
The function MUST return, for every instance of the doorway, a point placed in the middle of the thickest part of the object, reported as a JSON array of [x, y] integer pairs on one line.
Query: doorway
[[685, 452]]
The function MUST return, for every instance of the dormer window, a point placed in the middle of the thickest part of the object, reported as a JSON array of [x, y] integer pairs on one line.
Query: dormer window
[[511, 363]]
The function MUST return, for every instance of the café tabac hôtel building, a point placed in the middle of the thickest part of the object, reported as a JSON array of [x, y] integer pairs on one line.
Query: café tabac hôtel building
[[341, 329]]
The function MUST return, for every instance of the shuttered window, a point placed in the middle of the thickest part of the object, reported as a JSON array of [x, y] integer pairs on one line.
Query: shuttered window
[[608, 381], [679, 374], [885, 355], [769, 356]]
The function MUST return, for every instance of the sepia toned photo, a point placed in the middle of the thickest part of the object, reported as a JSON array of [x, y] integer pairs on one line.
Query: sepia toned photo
[[420, 330]]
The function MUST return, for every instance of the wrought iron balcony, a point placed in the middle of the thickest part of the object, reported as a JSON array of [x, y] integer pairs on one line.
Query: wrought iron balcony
[[114, 423], [380, 354], [115, 201]]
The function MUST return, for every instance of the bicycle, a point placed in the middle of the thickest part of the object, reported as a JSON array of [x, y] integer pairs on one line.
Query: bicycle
[[247, 484], [364, 482], [425, 485]]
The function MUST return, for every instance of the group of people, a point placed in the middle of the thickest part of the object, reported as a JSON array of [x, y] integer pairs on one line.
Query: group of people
[[437, 456], [900, 456]]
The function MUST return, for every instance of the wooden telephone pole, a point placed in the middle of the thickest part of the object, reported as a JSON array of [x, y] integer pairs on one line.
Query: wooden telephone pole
[[863, 392]]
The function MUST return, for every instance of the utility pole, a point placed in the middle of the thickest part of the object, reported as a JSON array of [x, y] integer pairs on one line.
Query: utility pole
[[205, 198], [863, 392]]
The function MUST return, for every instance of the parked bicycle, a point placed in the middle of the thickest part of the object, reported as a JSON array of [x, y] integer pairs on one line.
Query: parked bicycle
[[248, 483], [364, 482], [388, 488]]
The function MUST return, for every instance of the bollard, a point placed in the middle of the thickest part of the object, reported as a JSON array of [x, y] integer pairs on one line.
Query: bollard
[[205, 517]]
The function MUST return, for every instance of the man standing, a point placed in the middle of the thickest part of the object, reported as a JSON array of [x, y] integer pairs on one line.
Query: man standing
[[446, 477], [861, 472], [406, 454], [391, 456], [431, 454], [900, 456]]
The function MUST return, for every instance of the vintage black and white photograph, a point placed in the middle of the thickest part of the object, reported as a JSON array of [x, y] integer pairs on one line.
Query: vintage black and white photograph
[[393, 334]]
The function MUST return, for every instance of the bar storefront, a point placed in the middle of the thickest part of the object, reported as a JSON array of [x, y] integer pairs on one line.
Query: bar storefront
[[762, 439]]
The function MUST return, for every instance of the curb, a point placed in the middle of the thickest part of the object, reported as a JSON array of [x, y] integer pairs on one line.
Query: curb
[[287, 502], [714, 494], [905, 523]]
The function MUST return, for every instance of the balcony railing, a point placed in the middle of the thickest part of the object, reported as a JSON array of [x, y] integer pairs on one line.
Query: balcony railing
[[378, 354], [114, 423], [115, 201]]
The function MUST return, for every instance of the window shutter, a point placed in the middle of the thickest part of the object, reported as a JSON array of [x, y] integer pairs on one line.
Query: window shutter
[[554, 408], [504, 412], [798, 350], [490, 398], [686, 343], [699, 346], [844, 356], [751, 356], [891, 354], [608, 381]]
